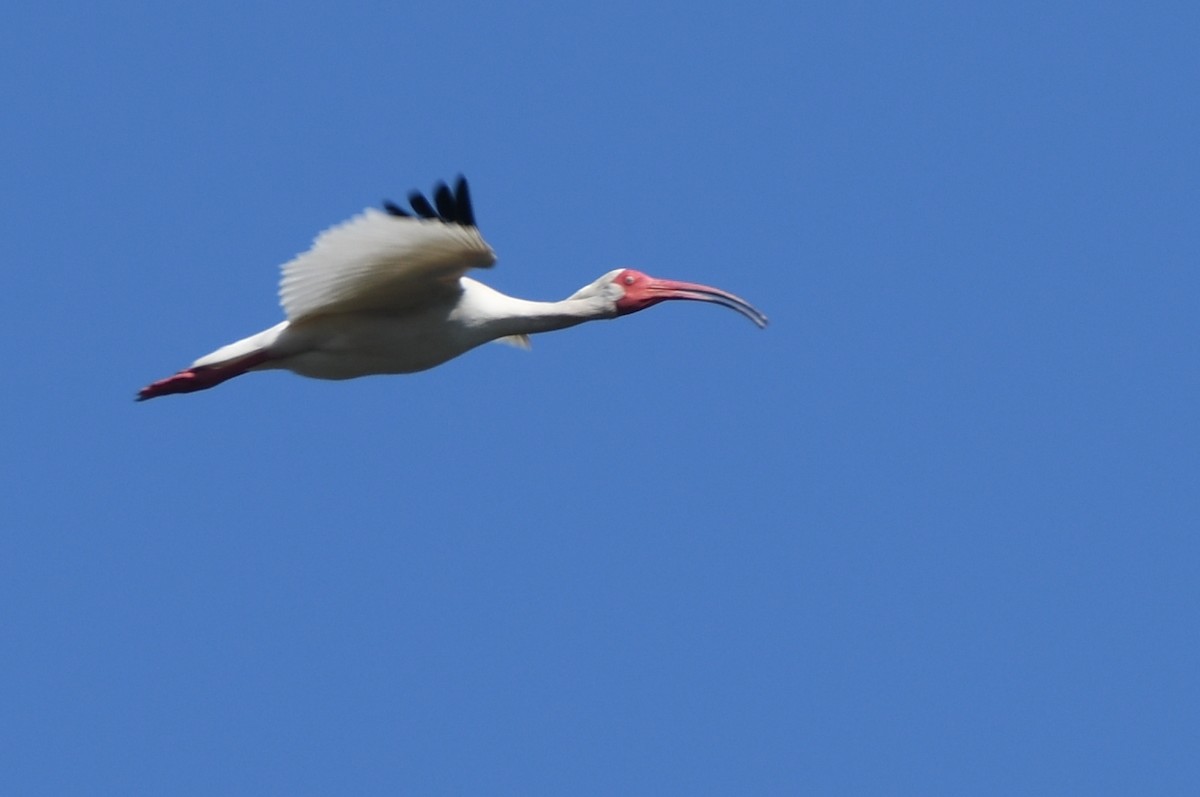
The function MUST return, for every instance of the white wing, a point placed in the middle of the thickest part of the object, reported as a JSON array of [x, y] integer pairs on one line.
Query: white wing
[[379, 262]]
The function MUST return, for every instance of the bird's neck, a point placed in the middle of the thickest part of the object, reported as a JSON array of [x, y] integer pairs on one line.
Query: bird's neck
[[503, 315]]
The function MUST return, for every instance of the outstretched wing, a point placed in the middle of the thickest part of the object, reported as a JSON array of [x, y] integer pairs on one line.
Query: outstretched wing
[[387, 261]]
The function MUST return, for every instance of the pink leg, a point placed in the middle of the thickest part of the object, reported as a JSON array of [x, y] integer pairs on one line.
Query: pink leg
[[201, 378]]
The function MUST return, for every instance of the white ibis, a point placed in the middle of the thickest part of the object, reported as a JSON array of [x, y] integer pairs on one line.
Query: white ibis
[[384, 293]]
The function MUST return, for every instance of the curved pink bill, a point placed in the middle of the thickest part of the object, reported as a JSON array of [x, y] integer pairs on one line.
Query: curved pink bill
[[671, 289]]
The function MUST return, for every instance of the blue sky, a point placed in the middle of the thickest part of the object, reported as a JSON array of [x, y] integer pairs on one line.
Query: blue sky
[[931, 532]]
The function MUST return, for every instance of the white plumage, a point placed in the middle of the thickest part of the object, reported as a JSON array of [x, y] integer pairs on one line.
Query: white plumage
[[377, 262], [385, 293]]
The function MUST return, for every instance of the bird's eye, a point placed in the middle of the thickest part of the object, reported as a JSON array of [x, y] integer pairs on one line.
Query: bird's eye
[[628, 280]]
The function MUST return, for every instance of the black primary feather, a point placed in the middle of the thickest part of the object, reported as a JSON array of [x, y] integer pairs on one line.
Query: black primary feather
[[394, 210], [462, 197], [452, 206], [421, 205], [446, 207]]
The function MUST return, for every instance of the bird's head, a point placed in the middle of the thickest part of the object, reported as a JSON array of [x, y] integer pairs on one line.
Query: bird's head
[[632, 291]]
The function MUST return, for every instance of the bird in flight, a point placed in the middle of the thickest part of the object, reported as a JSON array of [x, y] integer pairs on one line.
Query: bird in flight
[[386, 293]]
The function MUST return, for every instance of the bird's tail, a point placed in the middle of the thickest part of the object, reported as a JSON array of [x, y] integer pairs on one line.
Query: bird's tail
[[202, 377]]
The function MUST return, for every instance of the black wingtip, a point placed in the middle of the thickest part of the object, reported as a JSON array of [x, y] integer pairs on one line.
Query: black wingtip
[[462, 198], [447, 208], [421, 205], [395, 210], [452, 206]]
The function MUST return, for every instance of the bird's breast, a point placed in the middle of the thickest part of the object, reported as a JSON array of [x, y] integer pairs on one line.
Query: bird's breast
[[348, 346]]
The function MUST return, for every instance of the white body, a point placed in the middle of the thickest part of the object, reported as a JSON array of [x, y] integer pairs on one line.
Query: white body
[[386, 293], [347, 345]]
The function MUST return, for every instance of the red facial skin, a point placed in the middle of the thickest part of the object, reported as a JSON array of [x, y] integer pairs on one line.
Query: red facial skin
[[642, 291]]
